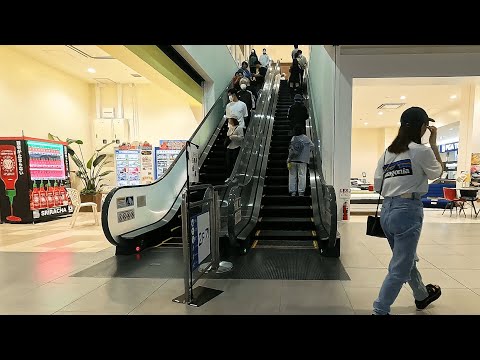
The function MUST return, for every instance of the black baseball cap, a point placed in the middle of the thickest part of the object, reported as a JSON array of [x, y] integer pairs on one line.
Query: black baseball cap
[[415, 116]]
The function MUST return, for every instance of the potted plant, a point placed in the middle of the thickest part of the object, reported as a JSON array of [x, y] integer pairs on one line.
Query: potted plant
[[90, 172]]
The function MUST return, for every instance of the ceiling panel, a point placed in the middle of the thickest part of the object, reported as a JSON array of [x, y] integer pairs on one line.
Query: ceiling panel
[[76, 59], [440, 97]]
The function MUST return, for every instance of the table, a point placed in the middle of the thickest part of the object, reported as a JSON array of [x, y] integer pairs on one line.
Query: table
[[470, 194]]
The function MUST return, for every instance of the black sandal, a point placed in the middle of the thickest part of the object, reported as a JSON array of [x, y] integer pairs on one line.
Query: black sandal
[[434, 293]]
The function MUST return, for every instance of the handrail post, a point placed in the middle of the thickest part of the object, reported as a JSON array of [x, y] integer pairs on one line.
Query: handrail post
[[186, 250]]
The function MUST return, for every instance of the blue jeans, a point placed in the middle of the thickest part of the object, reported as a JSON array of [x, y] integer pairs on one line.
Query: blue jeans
[[401, 221]]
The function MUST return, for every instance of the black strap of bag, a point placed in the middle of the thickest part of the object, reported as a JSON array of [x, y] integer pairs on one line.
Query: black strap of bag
[[381, 186], [374, 228]]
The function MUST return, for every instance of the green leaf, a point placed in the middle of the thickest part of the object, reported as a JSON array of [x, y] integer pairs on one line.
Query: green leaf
[[50, 137], [104, 146], [89, 163], [79, 142], [70, 151], [78, 162], [105, 173], [99, 159]]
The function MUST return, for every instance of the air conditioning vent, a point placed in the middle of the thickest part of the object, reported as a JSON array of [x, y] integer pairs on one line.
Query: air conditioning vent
[[104, 81], [136, 75], [391, 106]]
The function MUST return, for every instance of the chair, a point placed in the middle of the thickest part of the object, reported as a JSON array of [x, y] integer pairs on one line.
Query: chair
[[450, 195], [75, 198]]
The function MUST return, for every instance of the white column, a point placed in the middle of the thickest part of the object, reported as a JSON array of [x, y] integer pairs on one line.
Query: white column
[[342, 154]]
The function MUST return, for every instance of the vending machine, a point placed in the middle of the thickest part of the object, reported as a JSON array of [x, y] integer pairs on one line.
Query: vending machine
[[34, 176]]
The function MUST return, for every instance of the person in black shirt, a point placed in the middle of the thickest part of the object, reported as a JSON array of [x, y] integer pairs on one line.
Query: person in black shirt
[[247, 97], [298, 114], [259, 75]]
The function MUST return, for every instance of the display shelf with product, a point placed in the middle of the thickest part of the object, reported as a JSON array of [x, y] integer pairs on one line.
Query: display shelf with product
[[449, 155], [34, 175]]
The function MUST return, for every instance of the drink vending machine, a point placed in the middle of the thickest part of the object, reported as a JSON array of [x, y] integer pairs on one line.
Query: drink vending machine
[[34, 175]]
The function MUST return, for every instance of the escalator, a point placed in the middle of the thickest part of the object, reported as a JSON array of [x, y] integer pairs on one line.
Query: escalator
[[154, 218], [284, 221], [211, 172]]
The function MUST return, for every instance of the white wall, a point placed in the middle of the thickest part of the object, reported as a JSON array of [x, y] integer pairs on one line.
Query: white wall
[[39, 99], [214, 63], [161, 115], [367, 147], [322, 82]]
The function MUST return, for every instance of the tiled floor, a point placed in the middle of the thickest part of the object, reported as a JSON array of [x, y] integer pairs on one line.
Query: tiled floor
[[36, 262]]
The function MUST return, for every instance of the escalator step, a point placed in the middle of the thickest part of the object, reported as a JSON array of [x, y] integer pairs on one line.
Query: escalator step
[[285, 234], [286, 211], [283, 200], [290, 244]]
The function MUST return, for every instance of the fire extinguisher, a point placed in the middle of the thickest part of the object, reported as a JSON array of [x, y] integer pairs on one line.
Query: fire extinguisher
[[345, 210]]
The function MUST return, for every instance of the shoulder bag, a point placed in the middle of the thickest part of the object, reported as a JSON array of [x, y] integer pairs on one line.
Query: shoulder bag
[[374, 228]]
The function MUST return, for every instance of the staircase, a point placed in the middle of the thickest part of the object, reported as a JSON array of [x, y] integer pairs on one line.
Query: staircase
[[284, 221]]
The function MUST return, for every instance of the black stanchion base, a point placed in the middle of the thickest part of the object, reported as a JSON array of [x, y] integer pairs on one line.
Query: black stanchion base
[[200, 295]]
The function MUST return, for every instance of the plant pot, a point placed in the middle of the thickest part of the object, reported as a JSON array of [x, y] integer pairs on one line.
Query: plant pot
[[97, 199]]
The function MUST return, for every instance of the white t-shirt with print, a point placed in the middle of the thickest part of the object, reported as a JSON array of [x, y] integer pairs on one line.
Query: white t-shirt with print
[[239, 109], [407, 172]]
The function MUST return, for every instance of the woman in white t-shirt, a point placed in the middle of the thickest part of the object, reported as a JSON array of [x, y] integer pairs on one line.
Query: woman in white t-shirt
[[402, 178]]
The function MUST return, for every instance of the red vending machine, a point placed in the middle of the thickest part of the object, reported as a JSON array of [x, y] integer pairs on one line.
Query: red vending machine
[[34, 174]]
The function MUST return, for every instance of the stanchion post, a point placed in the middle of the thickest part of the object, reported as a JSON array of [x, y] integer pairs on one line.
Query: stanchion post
[[186, 249]]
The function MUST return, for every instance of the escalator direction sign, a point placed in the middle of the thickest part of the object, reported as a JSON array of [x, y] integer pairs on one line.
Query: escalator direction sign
[[125, 215]]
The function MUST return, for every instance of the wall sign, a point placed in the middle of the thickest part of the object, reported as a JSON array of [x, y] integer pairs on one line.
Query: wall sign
[[448, 147]]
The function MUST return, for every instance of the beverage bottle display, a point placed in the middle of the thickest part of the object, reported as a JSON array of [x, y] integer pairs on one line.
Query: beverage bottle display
[[30, 193], [56, 195], [63, 194], [43, 196], [35, 196], [50, 196], [9, 175]]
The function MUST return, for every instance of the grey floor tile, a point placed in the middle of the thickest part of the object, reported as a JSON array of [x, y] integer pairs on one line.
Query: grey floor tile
[[456, 302], [367, 260], [466, 249], [441, 278], [425, 249], [362, 300], [363, 277], [452, 261], [117, 296], [469, 278], [47, 298], [314, 297]]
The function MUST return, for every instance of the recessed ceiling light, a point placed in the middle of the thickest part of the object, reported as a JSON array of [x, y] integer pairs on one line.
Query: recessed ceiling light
[[453, 96], [91, 70], [365, 123], [403, 97], [380, 113]]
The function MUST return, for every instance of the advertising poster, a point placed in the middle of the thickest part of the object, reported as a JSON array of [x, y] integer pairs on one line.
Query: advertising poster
[[166, 154], [475, 169], [127, 165], [147, 175]]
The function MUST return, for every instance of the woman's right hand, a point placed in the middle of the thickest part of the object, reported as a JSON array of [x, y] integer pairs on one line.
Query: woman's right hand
[[433, 135]]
